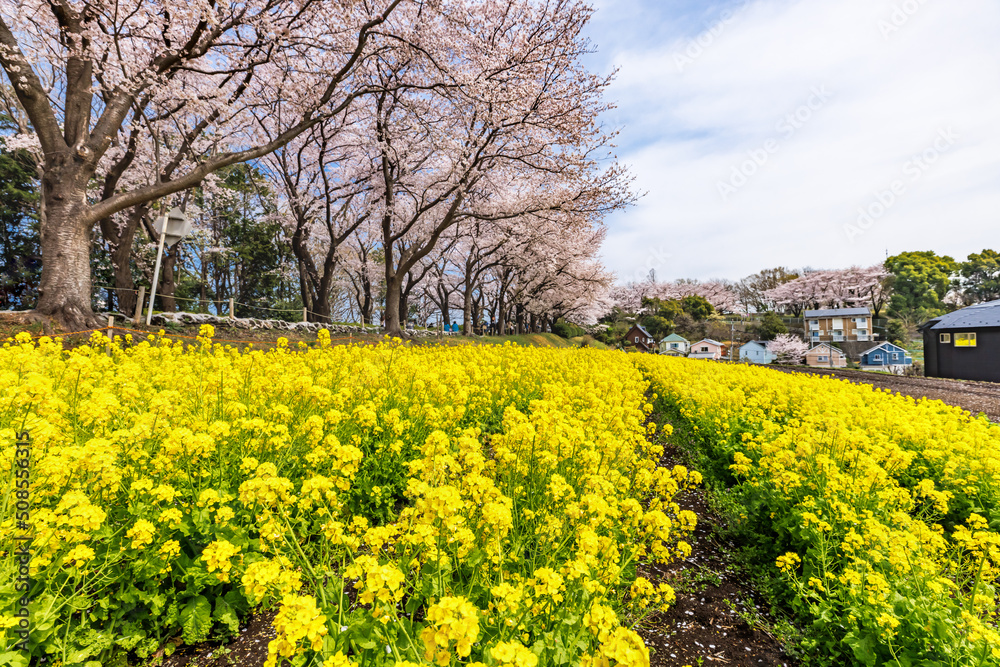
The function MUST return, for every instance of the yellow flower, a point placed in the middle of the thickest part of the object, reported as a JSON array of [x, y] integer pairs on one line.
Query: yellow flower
[[170, 549], [172, 517], [80, 554], [788, 562], [141, 533], [339, 660], [513, 653], [164, 493], [298, 623], [453, 624], [217, 557]]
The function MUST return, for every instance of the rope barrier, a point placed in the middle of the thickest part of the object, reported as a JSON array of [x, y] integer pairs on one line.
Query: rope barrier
[[71, 333], [222, 301]]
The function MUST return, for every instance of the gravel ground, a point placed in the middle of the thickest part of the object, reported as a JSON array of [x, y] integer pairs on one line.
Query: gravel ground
[[975, 397], [248, 649]]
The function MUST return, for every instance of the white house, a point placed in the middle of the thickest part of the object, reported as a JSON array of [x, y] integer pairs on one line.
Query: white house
[[675, 345], [756, 352]]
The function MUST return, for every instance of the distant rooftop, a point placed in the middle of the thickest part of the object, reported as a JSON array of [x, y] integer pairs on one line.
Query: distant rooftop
[[709, 340], [838, 312], [980, 315], [828, 347]]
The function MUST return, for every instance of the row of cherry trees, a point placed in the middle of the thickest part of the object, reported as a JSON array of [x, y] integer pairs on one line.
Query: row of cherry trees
[[777, 290], [447, 151]]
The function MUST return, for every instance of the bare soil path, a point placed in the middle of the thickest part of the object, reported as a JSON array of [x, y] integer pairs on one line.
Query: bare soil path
[[718, 619], [975, 397]]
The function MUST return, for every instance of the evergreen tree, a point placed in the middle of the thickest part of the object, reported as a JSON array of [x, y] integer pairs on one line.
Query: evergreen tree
[[20, 250]]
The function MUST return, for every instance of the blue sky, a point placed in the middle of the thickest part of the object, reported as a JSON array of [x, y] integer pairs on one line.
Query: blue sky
[[801, 133]]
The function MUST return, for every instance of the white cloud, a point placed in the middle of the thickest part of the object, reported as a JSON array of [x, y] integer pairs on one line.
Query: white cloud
[[895, 81]]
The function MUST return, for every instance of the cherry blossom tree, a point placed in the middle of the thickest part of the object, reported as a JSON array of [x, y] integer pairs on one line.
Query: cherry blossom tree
[[443, 280], [197, 78], [720, 294], [752, 289], [555, 274], [497, 122], [362, 270], [788, 349], [325, 201], [481, 248], [844, 288]]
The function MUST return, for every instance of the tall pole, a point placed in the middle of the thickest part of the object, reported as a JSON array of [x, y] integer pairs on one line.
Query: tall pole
[[138, 304], [156, 274]]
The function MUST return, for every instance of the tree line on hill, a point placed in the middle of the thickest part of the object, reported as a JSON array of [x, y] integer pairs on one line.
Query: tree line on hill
[[905, 290]]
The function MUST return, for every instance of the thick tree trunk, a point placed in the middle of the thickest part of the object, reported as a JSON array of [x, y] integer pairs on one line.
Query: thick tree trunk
[[393, 296], [120, 240], [322, 308], [367, 304], [304, 287], [124, 285], [404, 309], [501, 315], [168, 286], [66, 290], [467, 310], [444, 298]]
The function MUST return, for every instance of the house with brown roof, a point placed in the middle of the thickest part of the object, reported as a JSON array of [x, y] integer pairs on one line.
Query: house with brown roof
[[825, 355], [641, 339]]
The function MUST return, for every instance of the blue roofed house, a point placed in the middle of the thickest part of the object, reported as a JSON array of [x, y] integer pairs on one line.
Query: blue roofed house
[[885, 357], [675, 345], [756, 352]]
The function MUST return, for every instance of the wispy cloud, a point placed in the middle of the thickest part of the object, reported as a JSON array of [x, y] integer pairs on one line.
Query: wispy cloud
[[897, 73]]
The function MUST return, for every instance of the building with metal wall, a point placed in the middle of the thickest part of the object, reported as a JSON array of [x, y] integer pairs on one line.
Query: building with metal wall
[[965, 344]]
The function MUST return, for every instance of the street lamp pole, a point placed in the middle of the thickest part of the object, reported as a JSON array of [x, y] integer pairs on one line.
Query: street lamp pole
[[172, 227]]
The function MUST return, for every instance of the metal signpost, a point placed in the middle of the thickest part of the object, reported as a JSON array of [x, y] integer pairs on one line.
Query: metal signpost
[[171, 227]]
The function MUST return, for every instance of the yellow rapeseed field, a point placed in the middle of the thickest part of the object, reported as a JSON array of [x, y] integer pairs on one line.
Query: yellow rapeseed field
[[394, 504], [883, 512]]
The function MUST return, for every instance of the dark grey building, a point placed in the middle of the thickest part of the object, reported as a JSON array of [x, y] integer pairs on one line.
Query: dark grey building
[[965, 344]]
